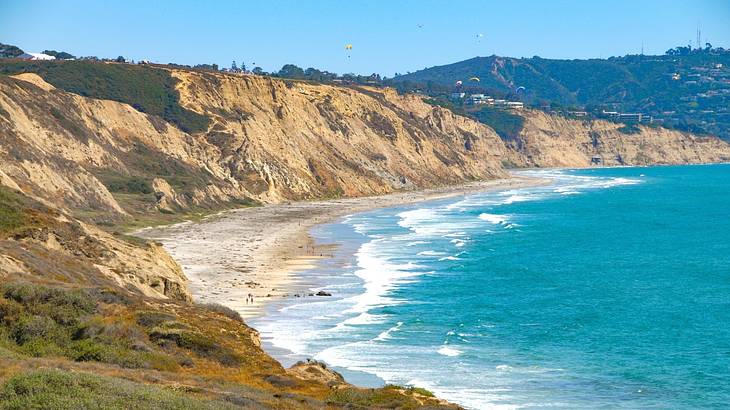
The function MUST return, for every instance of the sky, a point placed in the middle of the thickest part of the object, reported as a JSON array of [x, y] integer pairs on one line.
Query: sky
[[387, 36]]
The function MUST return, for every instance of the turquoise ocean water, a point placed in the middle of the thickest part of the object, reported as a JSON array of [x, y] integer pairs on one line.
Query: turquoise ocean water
[[609, 288]]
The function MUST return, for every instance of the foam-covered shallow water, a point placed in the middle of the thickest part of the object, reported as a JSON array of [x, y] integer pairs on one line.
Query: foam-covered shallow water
[[609, 288]]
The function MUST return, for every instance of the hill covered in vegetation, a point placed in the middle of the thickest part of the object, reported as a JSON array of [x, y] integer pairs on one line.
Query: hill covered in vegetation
[[687, 89]]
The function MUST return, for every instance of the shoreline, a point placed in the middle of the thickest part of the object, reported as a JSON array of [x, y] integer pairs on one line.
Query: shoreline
[[258, 251]]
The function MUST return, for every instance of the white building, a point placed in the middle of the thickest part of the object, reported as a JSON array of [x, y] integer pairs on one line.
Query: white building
[[35, 56], [457, 96], [479, 99]]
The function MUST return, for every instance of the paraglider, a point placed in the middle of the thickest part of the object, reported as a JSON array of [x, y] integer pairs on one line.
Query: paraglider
[[459, 83], [519, 89], [476, 79], [479, 37], [348, 48]]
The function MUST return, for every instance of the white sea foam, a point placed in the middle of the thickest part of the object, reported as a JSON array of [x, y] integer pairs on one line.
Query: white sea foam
[[380, 277], [450, 258], [383, 265], [414, 243], [494, 218], [429, 253], [386, 335], [449, 351]]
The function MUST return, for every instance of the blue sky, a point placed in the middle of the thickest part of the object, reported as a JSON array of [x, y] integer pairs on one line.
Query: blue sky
[[385, 35]]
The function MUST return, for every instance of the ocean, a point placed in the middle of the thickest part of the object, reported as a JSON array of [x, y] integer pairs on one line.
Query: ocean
[[608, 288]]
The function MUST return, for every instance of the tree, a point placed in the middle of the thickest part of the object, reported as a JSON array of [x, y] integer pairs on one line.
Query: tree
[[258, 71], [8, 51], [234, 67], [121, 59], [61, 55], [291, 71], [243, 66]]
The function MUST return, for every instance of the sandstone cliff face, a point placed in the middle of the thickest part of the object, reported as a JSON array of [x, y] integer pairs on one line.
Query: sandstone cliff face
[[40, 243], [552, 141], [289, 139], [269, 140]]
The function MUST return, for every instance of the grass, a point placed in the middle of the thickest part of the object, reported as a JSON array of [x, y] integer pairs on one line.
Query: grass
[[507, 125], [55, 389], [19, 213], [223, 310], [148, 89], [39, 321], [389, 397], [196, 346], [199, 343]]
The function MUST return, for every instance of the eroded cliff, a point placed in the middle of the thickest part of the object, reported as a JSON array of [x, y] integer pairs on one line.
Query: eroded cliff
[[72, 168], [555, 141]]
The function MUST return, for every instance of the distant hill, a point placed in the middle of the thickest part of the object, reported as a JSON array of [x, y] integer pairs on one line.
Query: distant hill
[[8, 51], [685, 89]]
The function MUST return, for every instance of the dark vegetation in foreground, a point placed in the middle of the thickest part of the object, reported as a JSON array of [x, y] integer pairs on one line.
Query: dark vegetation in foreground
[[57, 389], [72, 338], [181, 352]]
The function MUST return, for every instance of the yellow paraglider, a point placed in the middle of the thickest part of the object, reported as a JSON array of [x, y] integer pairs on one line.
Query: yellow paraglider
[[474, 79], [348, 48]]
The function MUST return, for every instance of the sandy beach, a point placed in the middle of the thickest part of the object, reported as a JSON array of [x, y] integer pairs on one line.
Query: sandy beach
[[247, 257]]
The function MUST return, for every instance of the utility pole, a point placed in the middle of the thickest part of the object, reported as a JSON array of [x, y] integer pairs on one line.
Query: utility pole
[[699, 36]]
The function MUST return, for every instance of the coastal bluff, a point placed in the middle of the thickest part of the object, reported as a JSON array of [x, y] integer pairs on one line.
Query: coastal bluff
[[83, 162]]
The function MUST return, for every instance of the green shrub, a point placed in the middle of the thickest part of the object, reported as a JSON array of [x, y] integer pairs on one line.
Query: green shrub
[[380, 398], [40, 321], [416, 390], [223, 310], [55, 389], [151, 318], [63, 306], [147, 89], [506, 124], [19, 213], [197, 343], [129, 185], [88, 350]]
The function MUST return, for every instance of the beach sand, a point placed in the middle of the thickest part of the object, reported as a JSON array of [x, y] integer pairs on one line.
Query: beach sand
[[256, 251]]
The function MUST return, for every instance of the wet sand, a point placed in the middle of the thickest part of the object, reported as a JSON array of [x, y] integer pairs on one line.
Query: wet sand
[[256, 251]]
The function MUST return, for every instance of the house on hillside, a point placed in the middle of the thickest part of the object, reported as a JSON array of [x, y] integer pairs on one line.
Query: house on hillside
[[36, 57], [578, 113], [480, 99]]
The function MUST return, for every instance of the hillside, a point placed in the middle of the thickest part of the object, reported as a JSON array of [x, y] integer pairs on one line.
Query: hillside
[[267, 140], [86, 155], [688, 90], [555, 141]]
